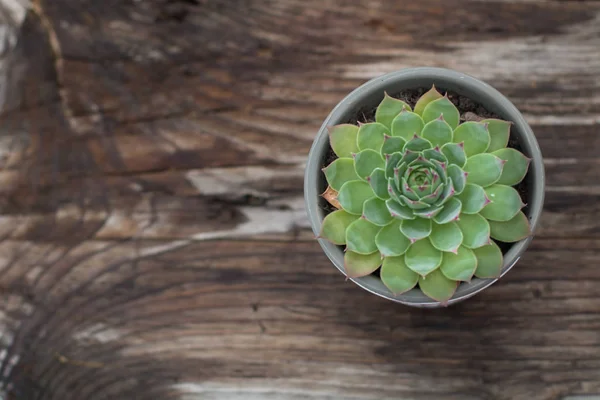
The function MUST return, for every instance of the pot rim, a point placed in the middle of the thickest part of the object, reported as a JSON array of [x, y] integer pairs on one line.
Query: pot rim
[[478, 91]]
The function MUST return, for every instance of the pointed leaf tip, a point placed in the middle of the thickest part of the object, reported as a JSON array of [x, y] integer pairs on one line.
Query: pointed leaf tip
[[441, 117]]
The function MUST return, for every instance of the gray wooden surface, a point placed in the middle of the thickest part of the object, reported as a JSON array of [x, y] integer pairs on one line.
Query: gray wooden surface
[[153, 238]]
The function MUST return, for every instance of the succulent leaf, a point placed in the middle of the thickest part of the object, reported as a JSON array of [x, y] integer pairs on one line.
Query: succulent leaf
[[437, 286], [353, 194], [396, 276], [448, 192], [339, 172], [475, 229], [499, 133], [515, 168], [360, 236], [371, 136], [399, 211], [505, 203], [388, 109], [379, 183], [335, 225], [407, 124], [427, 98], [428, 213], [474, 135], [511, 231], [446, 237], [459, 178], [407, 190], [392, 144], [422, 257], [442, 107], [391, 162], [331, 196], [417, 143], [435, 195], [366, 162], [489, 261], [473, 199], [357, 265], [484, 169], [416, 229], [438, 132], [376, 212], [390, 241], [342, 139], [460, 266], [450, 212], [455, 153], [395, 193], [435, 154]]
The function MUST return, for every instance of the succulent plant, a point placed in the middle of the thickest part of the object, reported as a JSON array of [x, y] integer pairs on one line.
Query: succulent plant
[[421, 195]]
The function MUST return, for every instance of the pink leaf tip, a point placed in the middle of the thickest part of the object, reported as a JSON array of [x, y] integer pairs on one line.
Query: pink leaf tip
[[387, 157], [437, 148], [363, 217], [465, 174], [386, 137], [441, 117], [415, 136], [353, 155], [396, 171], [412, 241], [461, 145], [368, 178]]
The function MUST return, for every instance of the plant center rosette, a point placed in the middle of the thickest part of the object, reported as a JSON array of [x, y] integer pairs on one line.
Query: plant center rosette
[[421, 195]]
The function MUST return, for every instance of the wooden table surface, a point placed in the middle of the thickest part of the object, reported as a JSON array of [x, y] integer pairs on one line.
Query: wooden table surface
[[154, 243]]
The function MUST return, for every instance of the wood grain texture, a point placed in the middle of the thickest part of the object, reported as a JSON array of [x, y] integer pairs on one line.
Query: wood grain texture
[[154, 244]]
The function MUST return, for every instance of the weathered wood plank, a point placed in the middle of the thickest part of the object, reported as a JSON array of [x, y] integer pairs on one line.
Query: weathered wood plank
[[258, 316]]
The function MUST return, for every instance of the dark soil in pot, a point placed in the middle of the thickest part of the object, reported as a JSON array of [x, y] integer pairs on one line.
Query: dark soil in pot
[[469, 111]]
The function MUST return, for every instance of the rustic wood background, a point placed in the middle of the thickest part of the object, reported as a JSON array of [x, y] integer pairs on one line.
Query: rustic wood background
[[154, 243]]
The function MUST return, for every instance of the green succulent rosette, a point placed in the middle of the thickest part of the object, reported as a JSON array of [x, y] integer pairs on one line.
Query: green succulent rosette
[[422, 195]]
